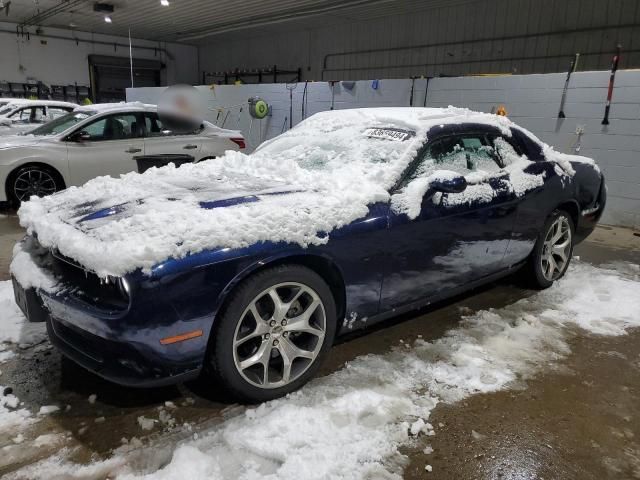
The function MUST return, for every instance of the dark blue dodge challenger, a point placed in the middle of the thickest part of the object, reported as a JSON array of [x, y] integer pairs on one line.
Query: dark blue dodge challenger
[[247, 267]]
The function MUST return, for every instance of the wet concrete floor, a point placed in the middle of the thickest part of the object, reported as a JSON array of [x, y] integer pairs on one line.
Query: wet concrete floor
[[581, 421]]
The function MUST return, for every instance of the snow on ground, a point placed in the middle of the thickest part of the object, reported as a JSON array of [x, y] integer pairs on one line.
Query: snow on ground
[[144, 219], [352, 423], [15, 331]]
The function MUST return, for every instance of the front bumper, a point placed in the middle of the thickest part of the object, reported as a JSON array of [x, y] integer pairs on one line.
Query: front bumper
[[118, 362], [122, 343]]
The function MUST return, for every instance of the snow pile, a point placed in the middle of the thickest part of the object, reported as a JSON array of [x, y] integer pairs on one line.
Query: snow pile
[[330, 165], [14, 328], [12, 417], [25, 269], [352, 424], [409, 200]]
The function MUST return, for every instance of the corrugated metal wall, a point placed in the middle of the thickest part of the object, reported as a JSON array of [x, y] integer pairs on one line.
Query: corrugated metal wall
[[483, 36]]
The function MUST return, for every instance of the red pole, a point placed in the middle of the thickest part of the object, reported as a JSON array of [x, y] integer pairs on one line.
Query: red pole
[[614, 67]]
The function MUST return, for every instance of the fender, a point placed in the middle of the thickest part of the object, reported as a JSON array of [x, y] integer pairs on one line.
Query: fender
[[303, 256]]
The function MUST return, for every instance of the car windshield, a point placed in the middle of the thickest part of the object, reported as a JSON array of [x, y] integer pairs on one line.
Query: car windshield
[[7, 109], [61, 124], [332, 142]]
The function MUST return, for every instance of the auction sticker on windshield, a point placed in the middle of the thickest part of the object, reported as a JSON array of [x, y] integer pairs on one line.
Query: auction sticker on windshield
[[389, 133]]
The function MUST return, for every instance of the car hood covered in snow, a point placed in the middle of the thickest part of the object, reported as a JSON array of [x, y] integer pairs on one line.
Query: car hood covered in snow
[[297, 188]]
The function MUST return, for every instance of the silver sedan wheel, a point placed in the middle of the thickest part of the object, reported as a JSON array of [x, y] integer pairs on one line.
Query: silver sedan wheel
[[279, 335], [33, 181], [556, 249]]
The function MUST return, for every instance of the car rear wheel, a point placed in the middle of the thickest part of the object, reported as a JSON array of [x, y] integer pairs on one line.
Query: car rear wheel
[[274, 333], [554, 248], [32, 180]]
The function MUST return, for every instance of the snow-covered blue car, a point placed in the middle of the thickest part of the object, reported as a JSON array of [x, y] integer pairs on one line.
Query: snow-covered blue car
[[247, 267]]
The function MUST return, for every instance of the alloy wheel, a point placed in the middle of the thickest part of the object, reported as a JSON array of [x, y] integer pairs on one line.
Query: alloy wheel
[[33, 181], [279, 335], [556, 249]]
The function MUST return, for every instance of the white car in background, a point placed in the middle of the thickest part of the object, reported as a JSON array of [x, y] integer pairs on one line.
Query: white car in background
[[22, 115], [5, 100], [103, 139]]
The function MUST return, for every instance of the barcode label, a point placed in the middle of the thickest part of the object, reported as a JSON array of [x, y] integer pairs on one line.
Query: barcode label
[[388, 134]]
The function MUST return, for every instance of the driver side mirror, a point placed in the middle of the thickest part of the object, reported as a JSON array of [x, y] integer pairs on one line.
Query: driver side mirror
[[450, 183], [80, 136]]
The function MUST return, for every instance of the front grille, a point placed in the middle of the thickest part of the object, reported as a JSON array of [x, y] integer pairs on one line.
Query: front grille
[[84, 342]]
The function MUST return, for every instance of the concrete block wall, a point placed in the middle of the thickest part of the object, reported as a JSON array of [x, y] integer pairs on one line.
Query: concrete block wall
[[531, 101]]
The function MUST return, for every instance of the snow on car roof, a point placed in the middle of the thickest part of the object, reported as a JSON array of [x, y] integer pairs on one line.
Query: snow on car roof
[[297, 188], [107, 107], [20, 102]]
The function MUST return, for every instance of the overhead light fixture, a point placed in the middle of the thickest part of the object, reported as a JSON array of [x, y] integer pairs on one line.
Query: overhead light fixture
[[164, 3], [107, 18]]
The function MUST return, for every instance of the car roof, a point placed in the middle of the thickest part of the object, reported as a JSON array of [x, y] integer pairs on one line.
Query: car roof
[[117, 107], [413, 117], [21, 102]]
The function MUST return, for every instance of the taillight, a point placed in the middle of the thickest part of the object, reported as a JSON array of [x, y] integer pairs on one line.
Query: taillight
[[239, 141]]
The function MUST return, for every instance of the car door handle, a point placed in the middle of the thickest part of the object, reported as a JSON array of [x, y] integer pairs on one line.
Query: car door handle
[[190, 147], [133, 150]]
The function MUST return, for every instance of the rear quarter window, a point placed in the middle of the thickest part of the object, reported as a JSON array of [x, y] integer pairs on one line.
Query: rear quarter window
[[531, 148]]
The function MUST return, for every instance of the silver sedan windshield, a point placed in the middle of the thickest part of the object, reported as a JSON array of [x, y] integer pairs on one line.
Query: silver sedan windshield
[[61, 124]]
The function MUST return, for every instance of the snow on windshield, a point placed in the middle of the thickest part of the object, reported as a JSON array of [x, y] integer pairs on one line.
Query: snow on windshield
[[332, 167], [375, 143]]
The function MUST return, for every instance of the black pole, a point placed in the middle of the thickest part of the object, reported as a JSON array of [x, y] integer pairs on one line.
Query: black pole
[[426, 90], [572, 68], [413, 83]]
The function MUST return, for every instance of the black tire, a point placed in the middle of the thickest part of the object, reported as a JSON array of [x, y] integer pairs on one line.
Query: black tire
[[204, 159], [221, 358], [537, 274], [51, 182]]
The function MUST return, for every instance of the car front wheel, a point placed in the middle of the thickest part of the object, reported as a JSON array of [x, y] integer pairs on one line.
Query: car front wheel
[[554, 248], [274, 333], [32, 180]]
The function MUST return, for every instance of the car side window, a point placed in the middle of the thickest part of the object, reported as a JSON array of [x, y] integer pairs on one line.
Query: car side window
[[55, 112], [153, 125], [507, 152], [463, 154], [21, 116], [38, 115], [113, 127], [168, 126]]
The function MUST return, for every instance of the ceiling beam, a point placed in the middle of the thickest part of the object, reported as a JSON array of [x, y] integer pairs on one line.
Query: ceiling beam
[[276, 18]]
